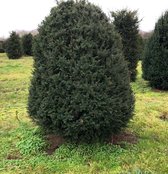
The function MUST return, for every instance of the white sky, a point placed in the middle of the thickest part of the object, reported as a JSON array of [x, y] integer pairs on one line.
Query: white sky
[[27, 14]]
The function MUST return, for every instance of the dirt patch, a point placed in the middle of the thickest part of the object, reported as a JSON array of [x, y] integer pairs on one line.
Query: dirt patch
[[124, 137], [54, 142], [164, 117], [13, 156], [157, 90]]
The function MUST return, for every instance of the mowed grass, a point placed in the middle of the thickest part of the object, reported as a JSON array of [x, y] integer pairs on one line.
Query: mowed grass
[[22, 145]]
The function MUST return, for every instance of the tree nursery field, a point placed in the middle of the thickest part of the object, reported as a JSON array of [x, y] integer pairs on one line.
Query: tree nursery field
[[23, 147]]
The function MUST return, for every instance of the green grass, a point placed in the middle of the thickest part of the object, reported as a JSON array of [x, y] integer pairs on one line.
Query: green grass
[[21, 143]]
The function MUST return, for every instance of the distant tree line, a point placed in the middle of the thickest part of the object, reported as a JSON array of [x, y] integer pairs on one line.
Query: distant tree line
[[16, 46], [126, 24], [136, 46]]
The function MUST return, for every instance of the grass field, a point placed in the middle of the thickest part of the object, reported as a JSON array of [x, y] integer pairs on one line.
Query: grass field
[[21, 143]]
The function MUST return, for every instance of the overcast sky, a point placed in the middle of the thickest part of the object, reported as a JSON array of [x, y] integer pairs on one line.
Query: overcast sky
[[27, 14]]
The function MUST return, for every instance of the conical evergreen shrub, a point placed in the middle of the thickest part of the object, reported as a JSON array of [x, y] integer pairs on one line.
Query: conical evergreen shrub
[[2, 44], [80, 87], [27, 41], [126, 23], [13, 46], [155, 61]]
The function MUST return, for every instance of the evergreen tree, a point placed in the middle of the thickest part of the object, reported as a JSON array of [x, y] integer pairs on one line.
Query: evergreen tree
[[80, 87], [141, 47], [13, 46], [126, 23], [2, 48], [27, 41], [155, 61]]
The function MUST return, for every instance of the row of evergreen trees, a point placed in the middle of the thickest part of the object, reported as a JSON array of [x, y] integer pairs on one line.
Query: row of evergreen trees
[[83, 64], [126, 23], [16, 47], [155, 61], [153, 51]]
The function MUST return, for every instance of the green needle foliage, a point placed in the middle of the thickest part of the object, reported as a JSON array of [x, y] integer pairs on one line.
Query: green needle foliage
[[27, 41], [2, 46], [155, 61], [13, 46], [126, 23], [141, 46], [80, 87]]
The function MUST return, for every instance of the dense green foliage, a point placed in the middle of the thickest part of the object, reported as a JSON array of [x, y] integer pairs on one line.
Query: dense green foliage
[[141, 46], [155, 61], [27, 41], [2, 46], [13, 46], [126, 23], [80, 87]]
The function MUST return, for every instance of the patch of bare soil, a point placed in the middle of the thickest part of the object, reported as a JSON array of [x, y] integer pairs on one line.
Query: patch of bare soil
[[157, 90], [13, 156], [124, 137], [54, 142], [164, 117]]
